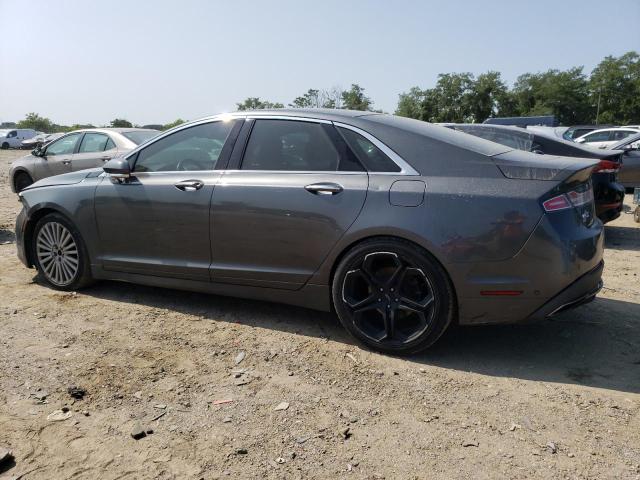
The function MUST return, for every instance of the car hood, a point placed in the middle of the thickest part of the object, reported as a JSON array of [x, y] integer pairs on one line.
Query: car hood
[[65, 178]]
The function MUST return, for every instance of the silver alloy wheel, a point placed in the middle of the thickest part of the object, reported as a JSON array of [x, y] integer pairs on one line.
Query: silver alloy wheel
[[57, 253]]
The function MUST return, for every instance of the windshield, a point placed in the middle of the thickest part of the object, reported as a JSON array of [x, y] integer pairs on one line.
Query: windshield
[[140, 136], [3, 133]]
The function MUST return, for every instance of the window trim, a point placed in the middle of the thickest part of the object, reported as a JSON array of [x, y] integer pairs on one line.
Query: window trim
[[75, 147]]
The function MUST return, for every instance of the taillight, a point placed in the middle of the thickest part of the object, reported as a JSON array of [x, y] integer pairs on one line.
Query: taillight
[[580, 198], [606, 166]]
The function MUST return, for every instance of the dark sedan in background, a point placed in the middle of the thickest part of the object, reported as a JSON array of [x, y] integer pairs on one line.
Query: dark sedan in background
[[608, 192], [400, 226], [629, 176], [77, 150]]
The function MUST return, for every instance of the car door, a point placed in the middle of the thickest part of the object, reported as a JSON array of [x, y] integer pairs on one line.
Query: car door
[[56, 158], [629, 174], [285, 201], [95, 149], [157, 221]]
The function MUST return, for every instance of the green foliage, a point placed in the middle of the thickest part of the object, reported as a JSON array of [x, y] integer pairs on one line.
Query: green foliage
[[616, 83], [35, 121], [355, 99], [254, 103], [175, 123], [121, 123], [568, 94]]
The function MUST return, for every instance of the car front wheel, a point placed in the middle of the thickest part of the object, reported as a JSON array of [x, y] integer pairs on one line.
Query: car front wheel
[[59, 253], [22, 181], [393, 296]]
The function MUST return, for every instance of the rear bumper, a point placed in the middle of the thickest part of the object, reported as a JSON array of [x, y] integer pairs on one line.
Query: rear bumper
[[582, 291]]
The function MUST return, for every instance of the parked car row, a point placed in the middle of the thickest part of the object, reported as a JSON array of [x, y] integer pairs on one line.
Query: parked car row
[[77, 150], [401, 227], [13, 137]]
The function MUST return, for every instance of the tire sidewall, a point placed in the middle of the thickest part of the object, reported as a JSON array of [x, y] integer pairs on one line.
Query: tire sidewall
[[83, 275], [443, 294], [16, 181]]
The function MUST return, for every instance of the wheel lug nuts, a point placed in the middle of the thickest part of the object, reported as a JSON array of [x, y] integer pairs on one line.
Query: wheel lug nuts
[[396, 299], [392, 289]]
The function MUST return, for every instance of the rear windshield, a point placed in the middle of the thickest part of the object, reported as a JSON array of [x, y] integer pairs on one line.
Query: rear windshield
[[140, 136]]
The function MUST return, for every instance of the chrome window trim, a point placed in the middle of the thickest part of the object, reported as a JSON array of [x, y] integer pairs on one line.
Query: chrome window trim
[[405, 168], [271, 116], [309, 172]]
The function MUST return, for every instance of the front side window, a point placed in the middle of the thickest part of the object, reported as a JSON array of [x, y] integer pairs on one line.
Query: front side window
[[65, 146], [290, 145], [12, 134], [93, 142], [191, 149], [597, 137], [371, 156]]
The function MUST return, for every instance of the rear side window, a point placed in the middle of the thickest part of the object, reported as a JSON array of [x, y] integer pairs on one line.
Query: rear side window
[[371, 156], [621, 134], [93, 142], [190, 149], [291, 146]]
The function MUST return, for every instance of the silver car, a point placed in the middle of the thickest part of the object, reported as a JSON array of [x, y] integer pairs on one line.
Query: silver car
[[77, 150]]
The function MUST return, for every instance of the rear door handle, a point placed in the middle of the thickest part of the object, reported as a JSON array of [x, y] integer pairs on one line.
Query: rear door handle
[[189, 185], [324, 188]]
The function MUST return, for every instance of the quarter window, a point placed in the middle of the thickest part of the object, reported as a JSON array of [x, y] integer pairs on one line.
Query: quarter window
[[65, 146], [93, 142], [621, 134], [290, 145], [191, 149], [371, 156]]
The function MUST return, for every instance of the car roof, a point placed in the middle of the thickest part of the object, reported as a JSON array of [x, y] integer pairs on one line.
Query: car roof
[[612, 128], [114, 130]]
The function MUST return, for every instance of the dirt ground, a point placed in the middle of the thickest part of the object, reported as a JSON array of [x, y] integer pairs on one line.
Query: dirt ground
[[559, 399]]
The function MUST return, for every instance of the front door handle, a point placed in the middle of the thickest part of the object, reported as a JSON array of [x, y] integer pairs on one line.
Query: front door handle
[[106, 158], [324, 188], [189, 185], [66, 162]]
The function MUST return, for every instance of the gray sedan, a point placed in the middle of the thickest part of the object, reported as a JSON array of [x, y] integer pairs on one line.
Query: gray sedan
[[401, 227], [77, 150]]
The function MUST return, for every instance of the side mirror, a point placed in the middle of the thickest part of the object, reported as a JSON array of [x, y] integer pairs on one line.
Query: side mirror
[[118, 168]]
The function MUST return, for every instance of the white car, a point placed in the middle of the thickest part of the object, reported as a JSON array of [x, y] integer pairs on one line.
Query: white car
[[13, 137], [606, 137]]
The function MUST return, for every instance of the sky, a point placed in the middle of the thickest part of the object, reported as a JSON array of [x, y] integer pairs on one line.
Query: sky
[[155, 61]]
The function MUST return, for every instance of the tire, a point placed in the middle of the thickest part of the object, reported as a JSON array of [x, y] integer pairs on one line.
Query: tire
[[21, 181], [5, 146], [59, 264], [392, 296], [636, 214]]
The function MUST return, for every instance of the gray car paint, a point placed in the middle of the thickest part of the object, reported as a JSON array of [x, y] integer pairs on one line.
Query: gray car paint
[[264, 236]]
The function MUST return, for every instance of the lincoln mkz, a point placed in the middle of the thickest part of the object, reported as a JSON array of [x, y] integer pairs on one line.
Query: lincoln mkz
[[401, 227]]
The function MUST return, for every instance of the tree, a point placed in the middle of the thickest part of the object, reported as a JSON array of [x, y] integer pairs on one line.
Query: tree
[[254, 103], [35, 121], [314, 98], [489, 97], [175, 123], [355, 99], [121, 123], [564, 94], [614, 90]]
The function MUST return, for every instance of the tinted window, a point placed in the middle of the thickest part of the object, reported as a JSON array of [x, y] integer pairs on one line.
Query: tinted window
[[110, 145], [290, 145], [12, 134], [620, 134], [194, 148], [597, 137], [140, 136], [371, 156], [93, 142], [64, 146]]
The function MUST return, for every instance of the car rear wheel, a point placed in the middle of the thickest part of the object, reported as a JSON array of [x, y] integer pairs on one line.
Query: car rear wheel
[[393, 296], [5, 145], [59, 253], [22, 181]]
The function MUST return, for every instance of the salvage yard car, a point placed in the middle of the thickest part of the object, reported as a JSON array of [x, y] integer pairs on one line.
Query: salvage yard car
[[13, 137], [608, 193], [77, 150], [629, 176], [402, 227]]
